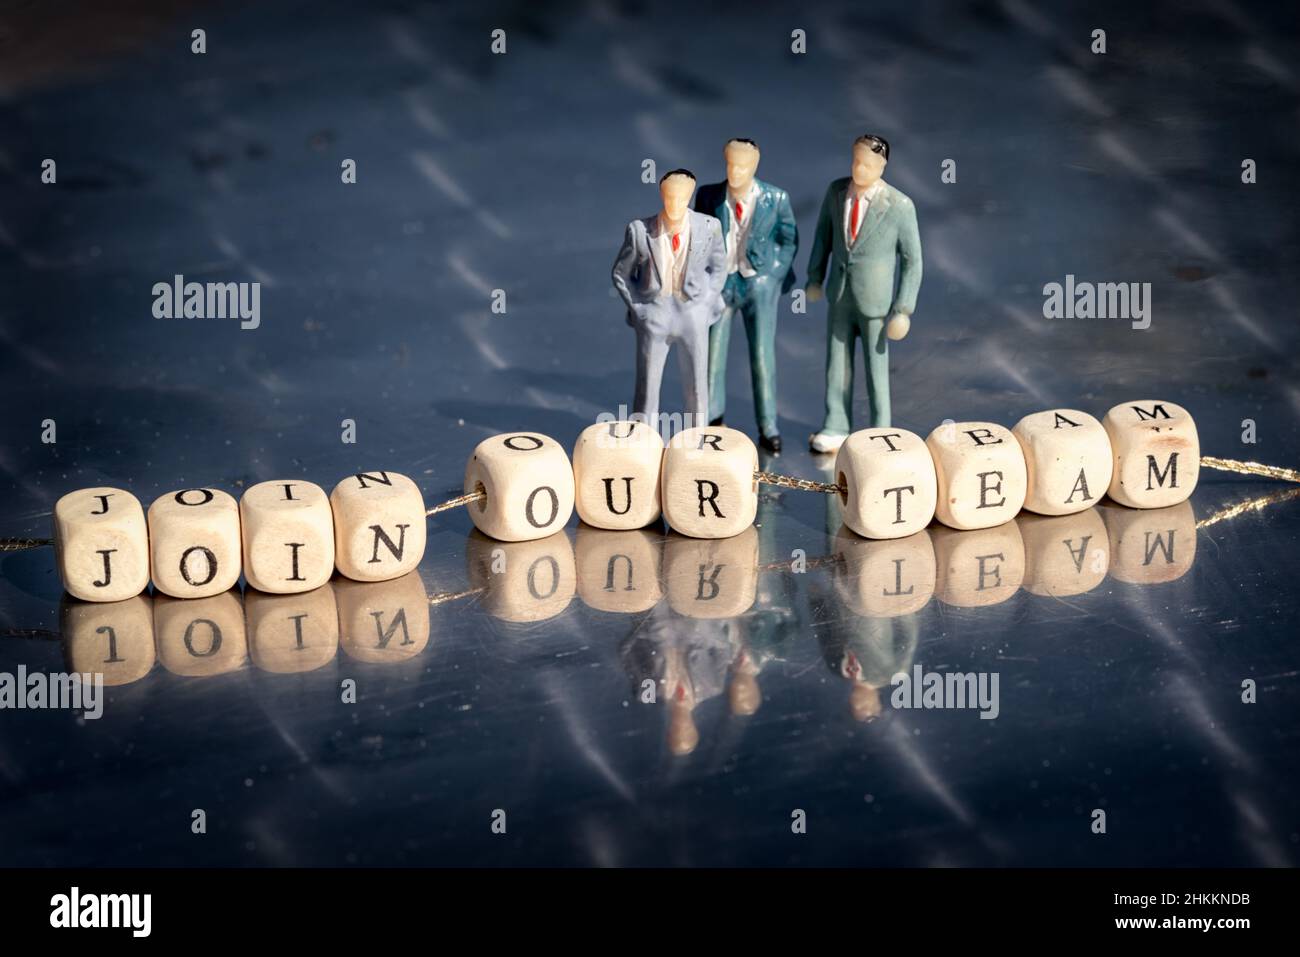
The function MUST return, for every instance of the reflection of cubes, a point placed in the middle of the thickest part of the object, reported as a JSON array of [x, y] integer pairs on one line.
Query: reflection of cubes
[[529, 486], [1152, 545], [619, 571], [383, 622], [616, 474], [708, 485], [379, 526], [1157, 453], [101, 544], [1068, 460], [1064, 554], [889, 482], [712, 578], [289, 634], [522, 581], [288, 532], [982, 567], [200, 638], [111, 638], [980, 471], [883, 579], [194, 543]]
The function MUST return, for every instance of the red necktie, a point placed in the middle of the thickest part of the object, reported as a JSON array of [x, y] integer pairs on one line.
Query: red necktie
[[740, 212], [857, 218], [677, 241]]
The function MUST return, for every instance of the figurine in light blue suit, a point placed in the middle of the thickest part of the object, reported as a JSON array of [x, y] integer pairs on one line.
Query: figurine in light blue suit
[[867, 235], [669, 273], [761, 237]]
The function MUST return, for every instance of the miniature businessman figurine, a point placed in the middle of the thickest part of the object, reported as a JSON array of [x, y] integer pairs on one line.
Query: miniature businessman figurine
[[761, 237], [670, 273], [866, 227]]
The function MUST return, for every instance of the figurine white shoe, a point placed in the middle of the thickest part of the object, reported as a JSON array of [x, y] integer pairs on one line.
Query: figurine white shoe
[[826, 442]]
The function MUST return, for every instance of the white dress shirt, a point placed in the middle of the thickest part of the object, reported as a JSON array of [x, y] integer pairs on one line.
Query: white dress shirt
[[867, 199], [738, 234], [672, 265]]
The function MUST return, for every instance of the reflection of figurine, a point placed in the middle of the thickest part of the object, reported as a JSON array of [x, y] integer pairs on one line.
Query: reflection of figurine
[[670, 272], [865, 227], [761, 240]]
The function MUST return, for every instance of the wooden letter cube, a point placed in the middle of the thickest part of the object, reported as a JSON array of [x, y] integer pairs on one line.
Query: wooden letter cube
[[1067, 460], [619, 571], [981, 474], [529, 486], [379, 526], [194, 543], [523, 581], [890, 483], [1157, 453], [289, 634], [616, 474], [708, 484], [288, 530], [383, 623], [199, 639], [101, 544]]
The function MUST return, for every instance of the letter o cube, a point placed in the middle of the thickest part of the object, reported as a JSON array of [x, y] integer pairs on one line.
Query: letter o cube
[[889, 481], [1157, 453], [529, 486], [616, 475], [708, 485], [379, 526], [1067, 460], [288, 531], [980, 471], [194, 543], [101, 544]]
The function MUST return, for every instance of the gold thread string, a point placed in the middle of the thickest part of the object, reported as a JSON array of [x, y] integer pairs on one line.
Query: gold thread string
[[803, 485], [22, 544], [1250, 468], [467, 499], [1252, 505]]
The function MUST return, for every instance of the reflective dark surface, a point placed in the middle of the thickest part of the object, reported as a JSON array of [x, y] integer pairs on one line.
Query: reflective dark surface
[[1120, 682]]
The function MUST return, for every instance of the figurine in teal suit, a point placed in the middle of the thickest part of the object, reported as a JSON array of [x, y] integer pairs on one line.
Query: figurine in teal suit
[[761, 239], [866, 229]]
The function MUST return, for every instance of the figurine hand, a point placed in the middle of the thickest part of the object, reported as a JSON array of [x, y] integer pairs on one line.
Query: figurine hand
[[898, 326], [814, 291]]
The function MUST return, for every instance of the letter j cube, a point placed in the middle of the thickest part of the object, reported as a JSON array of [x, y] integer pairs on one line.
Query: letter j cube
[[980, 470], [708, 485], [379, 526], [101, 544]]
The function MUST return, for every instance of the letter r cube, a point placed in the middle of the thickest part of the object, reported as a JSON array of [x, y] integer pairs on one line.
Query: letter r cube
[[708, 485]]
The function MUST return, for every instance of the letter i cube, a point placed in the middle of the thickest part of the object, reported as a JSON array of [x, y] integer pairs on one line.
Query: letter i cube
[[708, 486], [980, 471], [1157, 453], [101, 544], [616, 475], [288, 532]]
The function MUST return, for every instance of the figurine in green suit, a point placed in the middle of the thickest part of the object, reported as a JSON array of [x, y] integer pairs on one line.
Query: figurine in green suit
[[761, 238], [867, 234]]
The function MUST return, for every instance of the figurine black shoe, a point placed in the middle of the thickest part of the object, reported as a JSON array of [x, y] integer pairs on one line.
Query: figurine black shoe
[[717, 421], [771, 442]]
